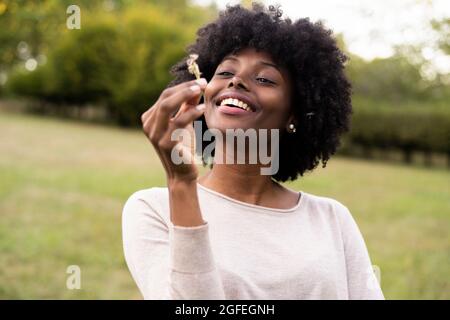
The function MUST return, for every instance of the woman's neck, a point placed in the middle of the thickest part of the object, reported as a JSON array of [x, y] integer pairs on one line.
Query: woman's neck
[[242, 182]]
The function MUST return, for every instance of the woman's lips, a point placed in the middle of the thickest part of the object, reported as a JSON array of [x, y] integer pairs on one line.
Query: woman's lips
[[232, 110], [236, 98]]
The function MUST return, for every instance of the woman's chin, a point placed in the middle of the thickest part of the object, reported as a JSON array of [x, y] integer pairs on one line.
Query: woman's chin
[[224, 127], [222, 122]]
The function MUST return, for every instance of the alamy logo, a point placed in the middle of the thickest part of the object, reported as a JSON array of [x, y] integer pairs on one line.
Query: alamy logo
[[237, 146], [74, 279], [74, 20]]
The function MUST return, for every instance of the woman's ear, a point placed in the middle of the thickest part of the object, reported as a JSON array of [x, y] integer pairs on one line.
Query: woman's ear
[[291, 123]]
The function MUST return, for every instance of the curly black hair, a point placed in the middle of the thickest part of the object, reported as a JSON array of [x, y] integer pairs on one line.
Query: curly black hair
[[322, 93]]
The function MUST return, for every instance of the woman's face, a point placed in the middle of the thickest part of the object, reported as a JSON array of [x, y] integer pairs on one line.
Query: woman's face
[[253, 78]]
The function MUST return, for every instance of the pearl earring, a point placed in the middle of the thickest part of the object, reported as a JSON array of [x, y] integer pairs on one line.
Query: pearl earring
[[292, 127]]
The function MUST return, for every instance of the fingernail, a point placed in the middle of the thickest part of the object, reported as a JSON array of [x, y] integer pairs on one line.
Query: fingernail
[[200, 107], [195, 88], [202, 81]]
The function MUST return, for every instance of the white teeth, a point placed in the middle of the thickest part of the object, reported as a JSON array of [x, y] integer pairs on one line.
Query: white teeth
[[244, 106], [235, 102]]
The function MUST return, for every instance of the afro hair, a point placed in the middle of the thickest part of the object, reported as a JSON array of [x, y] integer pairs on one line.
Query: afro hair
[[322, 93]]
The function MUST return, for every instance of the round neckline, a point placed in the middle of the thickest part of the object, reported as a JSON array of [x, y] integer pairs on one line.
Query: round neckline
[[254, 206]]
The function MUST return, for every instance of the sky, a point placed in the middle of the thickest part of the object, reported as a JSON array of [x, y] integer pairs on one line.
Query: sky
[[371, 27]]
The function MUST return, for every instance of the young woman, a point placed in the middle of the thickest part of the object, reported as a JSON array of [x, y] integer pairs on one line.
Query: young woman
[[235, 233]]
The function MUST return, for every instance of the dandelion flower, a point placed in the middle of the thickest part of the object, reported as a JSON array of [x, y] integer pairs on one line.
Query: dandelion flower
[[193, 66]]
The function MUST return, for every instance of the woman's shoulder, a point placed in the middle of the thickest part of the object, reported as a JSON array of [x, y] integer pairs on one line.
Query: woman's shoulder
[[154, 199], [150, 194], [329, 205]]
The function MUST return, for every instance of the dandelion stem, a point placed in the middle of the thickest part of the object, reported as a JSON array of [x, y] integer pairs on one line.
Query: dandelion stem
[[193, 67]]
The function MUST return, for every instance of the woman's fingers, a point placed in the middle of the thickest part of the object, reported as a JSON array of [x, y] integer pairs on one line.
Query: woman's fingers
[[159, 125], [171, 91], [169, 105], [146, 114], [189, 116], [187, 105], [158, 120]]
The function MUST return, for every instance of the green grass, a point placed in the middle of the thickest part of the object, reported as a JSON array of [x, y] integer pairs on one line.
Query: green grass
[[63, 185]]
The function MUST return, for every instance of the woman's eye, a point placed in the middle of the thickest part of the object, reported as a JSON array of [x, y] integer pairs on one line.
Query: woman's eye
[[224, 73], [261, 80], [264, 80]]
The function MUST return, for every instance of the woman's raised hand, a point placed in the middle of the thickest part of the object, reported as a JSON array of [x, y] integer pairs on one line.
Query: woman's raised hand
[[175, 108]]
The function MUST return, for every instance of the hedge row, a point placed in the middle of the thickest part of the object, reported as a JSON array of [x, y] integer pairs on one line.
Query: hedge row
[[408, 128]]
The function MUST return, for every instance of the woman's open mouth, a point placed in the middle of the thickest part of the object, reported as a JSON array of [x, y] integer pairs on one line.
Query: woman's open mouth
[[234, 106]]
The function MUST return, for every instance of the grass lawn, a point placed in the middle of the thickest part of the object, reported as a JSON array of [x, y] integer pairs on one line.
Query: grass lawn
[[63, 185]]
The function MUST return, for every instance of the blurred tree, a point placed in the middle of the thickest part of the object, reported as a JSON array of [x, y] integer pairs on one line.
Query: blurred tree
[[442, 27], [119, 59], [393, 78], [28, 28]]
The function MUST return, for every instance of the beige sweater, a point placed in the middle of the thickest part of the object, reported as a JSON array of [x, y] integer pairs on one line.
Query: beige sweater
[[311, 251]]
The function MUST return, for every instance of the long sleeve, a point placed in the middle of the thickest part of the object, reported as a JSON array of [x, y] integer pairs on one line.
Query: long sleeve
[[166, 261], [362, 281]]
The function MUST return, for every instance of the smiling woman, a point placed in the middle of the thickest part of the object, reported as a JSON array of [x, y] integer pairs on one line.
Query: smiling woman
[[251, 78], [234, 233], [297, 64]]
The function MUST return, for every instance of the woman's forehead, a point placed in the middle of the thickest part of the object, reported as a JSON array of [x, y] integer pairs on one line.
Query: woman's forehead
[[261, 58], [249, 53]]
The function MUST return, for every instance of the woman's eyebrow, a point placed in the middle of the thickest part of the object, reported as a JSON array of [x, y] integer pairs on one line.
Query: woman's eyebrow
[[270, 65], [260, 62], [230, 58]]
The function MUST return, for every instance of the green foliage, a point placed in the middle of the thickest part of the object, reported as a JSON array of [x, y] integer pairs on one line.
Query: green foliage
[[407, 127], [442, 27], [393, 78], [36, 23], [149, 44], [120, 60]]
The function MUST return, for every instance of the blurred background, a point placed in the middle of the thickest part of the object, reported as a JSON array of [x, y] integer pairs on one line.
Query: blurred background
[[72, 151]]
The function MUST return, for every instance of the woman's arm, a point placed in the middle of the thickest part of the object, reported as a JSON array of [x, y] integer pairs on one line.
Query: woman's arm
[[175, 261], [193, 271], [167, 261], [361, 279], [184, 206]]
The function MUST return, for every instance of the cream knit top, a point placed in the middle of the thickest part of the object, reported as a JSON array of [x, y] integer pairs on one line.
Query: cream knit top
[[313, 250]]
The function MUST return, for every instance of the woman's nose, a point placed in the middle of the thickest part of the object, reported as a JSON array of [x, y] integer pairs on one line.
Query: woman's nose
[[237, 82]]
